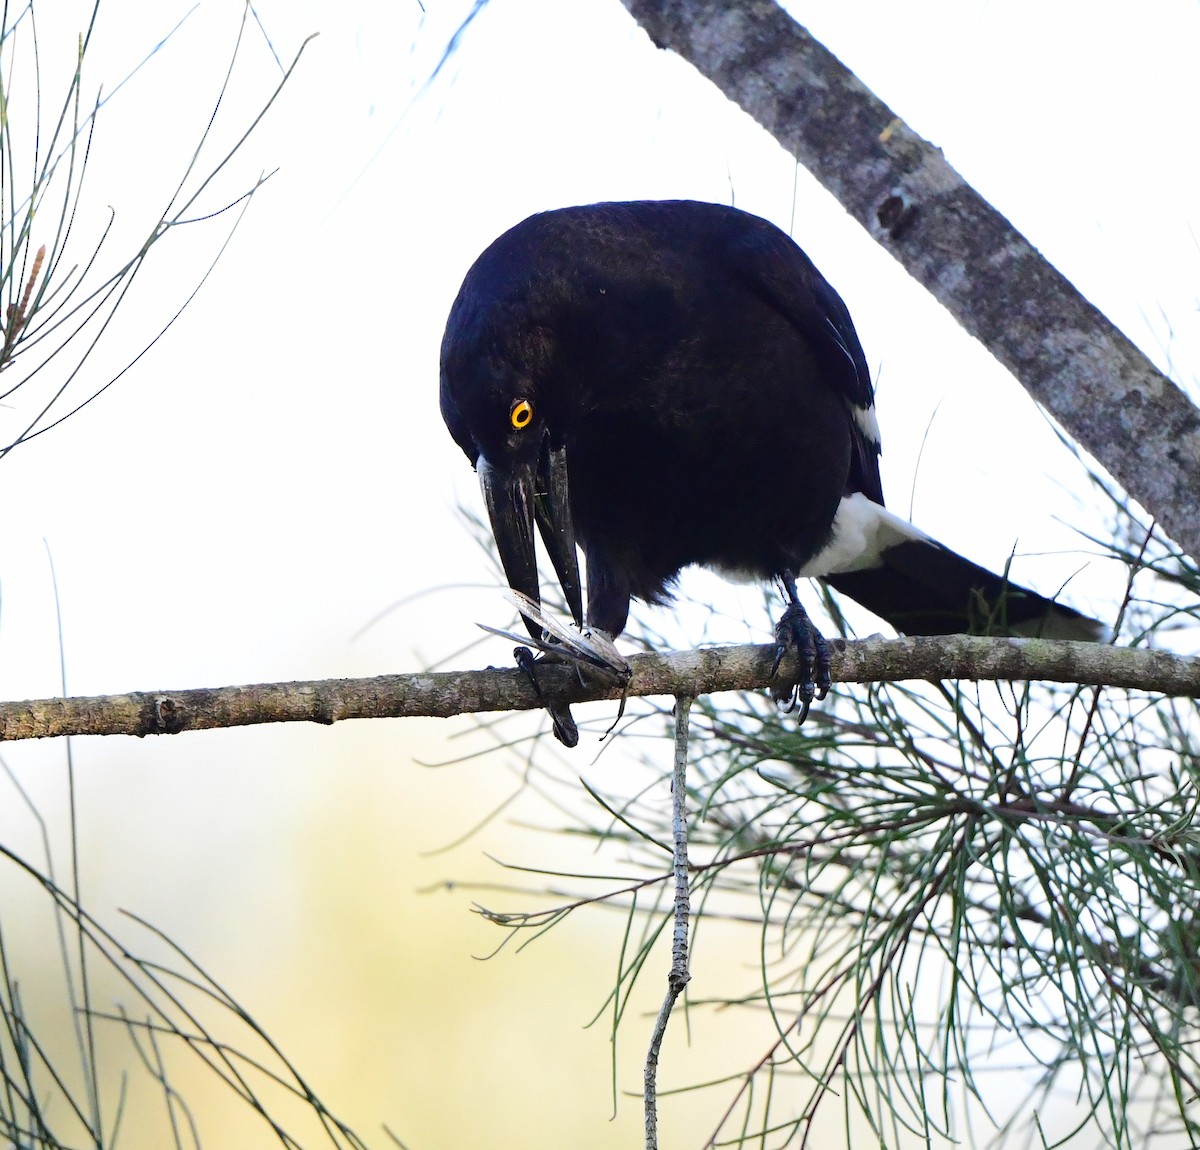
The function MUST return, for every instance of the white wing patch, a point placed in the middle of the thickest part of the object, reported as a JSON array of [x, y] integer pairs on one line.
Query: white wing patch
[[864, 417], [862, 531]]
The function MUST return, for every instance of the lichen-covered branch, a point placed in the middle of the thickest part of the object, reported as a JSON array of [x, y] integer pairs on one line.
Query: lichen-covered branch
[[690, 673], [1070, 358]]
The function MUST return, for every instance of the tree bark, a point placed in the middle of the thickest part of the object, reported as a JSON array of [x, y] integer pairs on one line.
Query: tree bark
[[1138, 424], [691, 673]]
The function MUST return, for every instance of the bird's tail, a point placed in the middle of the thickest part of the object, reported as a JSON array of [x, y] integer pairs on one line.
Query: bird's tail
[[923, 588]]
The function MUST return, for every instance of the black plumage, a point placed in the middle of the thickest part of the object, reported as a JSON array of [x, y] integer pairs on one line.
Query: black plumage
[[674, 382]]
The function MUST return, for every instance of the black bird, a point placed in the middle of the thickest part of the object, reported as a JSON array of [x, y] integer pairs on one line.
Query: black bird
[[673, 382]]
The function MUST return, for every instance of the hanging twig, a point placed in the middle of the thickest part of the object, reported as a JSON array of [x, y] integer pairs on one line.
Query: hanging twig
[[678, 977]]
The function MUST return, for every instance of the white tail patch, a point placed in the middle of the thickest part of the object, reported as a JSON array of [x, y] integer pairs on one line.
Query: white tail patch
[[862, 531]]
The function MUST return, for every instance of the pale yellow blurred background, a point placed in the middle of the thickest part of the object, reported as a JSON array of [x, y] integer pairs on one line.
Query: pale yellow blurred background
[[274, 475]]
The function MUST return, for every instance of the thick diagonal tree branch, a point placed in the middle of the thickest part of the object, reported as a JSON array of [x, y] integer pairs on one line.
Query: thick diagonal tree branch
[[690, 673], [1070, 358]]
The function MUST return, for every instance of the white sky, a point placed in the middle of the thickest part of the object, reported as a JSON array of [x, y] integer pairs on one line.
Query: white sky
[[275, 472], [277, 466]]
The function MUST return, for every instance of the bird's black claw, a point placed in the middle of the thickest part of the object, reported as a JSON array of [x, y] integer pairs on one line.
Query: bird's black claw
[[565, 730], [795, 631]]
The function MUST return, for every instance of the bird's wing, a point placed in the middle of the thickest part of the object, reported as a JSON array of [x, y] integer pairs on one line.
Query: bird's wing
[[773, 266]]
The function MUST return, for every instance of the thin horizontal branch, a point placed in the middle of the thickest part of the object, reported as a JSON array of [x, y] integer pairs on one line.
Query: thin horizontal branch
[[692, 673], [1069, 356]]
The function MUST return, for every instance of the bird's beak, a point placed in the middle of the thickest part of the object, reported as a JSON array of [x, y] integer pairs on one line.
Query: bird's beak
[[516, 500]]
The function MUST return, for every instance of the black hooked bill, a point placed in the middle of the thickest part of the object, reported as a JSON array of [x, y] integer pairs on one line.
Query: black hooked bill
[[517, 499]]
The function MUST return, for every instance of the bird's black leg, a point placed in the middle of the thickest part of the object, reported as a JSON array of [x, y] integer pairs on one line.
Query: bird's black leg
[[565, 730], [795, 630]]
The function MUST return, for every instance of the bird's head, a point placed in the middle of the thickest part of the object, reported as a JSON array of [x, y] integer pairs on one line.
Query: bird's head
[[497, 414]]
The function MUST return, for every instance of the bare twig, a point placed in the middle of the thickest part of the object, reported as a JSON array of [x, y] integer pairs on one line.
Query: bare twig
[[678, 976]]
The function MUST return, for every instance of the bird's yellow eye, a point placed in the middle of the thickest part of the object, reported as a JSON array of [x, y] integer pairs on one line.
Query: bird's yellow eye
[[522, 414]]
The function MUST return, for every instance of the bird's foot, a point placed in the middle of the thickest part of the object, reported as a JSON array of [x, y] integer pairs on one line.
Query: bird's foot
[[591, 650], [565, 730], [795, 631]]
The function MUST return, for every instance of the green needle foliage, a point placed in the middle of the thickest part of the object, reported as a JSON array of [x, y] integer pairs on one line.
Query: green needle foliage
[[976, 905], [75, 1070], [176, 1020], [67, 264]]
